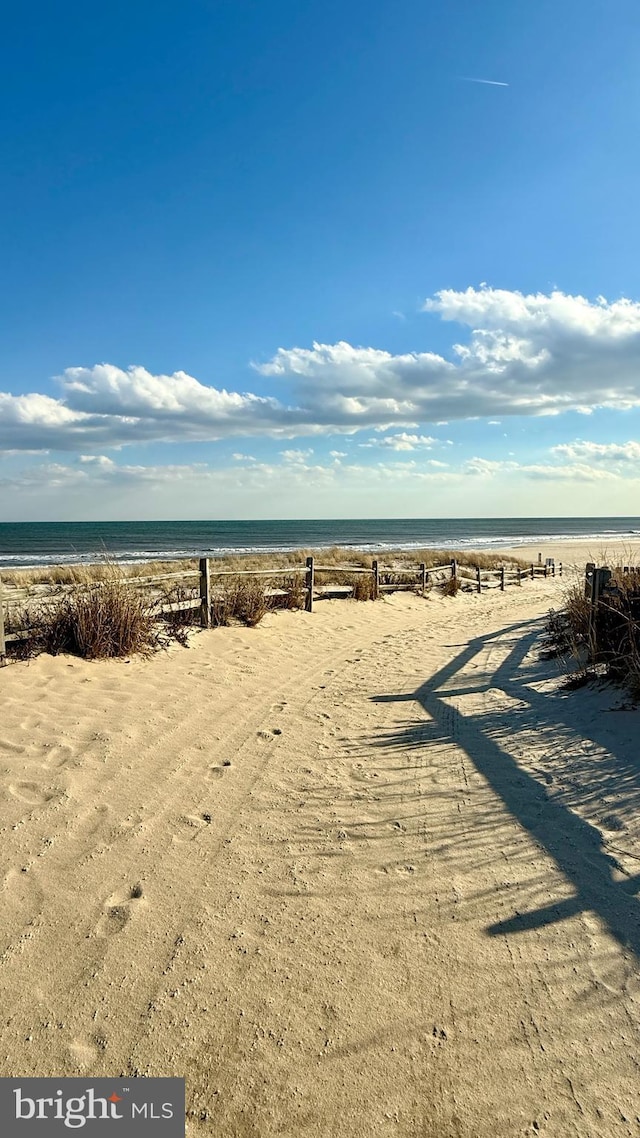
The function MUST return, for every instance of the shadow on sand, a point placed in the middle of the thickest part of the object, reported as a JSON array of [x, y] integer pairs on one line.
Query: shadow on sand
[[575, 845]]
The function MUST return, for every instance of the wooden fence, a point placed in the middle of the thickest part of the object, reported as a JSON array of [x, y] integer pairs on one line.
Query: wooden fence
[[418, 578], [598, 581], [601, 587]]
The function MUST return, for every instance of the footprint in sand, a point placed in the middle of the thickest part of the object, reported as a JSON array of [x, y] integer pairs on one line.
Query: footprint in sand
[[32, 793], [189, 826], [278, 707], [56, 755], [84, 1052], [119, 909], [215, 772], [21, 902], [12, 748]]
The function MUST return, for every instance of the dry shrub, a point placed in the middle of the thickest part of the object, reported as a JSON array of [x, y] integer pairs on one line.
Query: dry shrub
[[295, 594], [617, 632], [94, 622], [601, 643], [241, 599], [451, 587], [363, 586]]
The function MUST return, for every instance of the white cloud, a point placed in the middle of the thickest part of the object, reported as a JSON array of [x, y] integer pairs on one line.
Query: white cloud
[[402, 441], [525, 355], [296, 456], [610, 453]]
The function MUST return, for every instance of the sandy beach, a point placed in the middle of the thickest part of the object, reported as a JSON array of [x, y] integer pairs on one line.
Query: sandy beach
[[367, 871]]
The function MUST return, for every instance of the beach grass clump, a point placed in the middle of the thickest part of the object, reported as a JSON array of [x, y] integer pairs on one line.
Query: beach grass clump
[[451, 587], [603, 642], [362, 584], [241, 600], [95, 622]]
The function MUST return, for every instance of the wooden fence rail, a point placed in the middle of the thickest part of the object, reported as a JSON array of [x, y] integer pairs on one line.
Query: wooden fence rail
[[418, 577]]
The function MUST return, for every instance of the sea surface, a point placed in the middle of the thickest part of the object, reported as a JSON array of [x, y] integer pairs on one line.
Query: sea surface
[[27, 544]]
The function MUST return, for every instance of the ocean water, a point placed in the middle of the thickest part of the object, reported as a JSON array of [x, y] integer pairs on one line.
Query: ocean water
[[27, 544]]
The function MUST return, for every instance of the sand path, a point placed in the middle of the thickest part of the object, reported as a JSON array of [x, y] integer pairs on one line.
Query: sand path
[[360, 873]]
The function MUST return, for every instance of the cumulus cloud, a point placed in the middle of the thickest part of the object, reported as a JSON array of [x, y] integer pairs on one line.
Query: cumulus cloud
[[105, 406], [548, 472], [402, 441], [296, 456], [523, 355], [609, 453]]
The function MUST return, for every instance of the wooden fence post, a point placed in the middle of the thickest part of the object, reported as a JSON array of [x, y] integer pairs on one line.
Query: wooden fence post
[[205, 593], [559, 568], [502, 578], [599, 580], [423, 574], [479, 579], [588, 578], [376, 579], [310, 579], [532, 570], [454, 568], [3, 646]]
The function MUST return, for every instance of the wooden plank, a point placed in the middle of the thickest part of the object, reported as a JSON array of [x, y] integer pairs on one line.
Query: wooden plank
[[265, 572], [177, 606], [398, 586], [205, 593], [144, 580], [345, 569], [11, 636], [310, 584], [11, 595]]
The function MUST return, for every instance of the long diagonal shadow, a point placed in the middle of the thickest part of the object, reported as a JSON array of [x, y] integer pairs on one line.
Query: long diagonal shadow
[[574, 844]]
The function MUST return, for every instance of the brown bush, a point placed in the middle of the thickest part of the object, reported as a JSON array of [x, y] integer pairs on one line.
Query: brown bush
[[451, 587], [604, 642], [363, 586], [94, 622], [241, 599]]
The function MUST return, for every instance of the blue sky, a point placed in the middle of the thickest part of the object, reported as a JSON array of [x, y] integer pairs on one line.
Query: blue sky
[[193, 196]]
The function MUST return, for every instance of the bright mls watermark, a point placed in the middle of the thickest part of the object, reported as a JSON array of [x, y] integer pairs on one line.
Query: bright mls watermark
[[130, 1108]]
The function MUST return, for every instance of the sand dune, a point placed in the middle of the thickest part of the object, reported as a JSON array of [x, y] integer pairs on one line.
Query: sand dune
[[363, 872]]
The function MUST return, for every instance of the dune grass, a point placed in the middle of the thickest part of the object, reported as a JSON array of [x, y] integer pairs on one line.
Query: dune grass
[[336, 556], [93, 611], [97, 622], [604, 643]]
